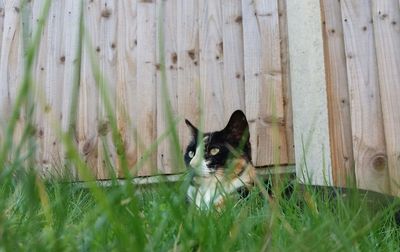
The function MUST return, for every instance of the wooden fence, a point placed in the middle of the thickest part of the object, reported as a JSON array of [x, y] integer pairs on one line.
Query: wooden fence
[[233, 52], [344, 80], [358, 48]]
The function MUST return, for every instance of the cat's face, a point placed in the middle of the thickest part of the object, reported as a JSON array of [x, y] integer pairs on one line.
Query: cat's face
[[211, 152]]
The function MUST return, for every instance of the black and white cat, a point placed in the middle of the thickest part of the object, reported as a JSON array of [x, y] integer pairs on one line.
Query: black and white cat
[[220, 162]]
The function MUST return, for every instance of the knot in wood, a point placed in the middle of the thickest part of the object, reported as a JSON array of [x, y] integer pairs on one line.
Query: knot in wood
[[379, 162], [103, 128]]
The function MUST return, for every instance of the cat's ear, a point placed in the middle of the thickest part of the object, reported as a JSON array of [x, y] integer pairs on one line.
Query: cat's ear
[[238, 127], [192, 128]]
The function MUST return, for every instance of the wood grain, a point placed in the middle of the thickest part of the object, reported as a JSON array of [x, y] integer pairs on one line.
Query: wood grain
[[310, 104], [211, 62], [232, 48], [69, 55], [188, 66], [87, 122], [366, 114], [386, 19], [169, 28], [338, 95], [126, 78], [147, 93], [287, 95], [106, 162], [263, 81], [54, 66], [9, 59]]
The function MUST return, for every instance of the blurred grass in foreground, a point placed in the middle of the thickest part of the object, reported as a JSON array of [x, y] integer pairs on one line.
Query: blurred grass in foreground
[[39, 214]]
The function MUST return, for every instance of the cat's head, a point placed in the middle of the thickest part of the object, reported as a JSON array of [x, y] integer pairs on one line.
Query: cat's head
[[210, 152]]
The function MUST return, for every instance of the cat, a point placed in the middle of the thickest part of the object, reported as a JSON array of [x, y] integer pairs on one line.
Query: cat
[[220, 162]]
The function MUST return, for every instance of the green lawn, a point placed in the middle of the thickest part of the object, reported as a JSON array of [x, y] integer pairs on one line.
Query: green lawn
[[38, 216]]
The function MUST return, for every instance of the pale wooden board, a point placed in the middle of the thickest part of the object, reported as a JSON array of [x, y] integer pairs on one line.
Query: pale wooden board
[[126, 78], [338, 95], [87, 122], [108, 66], [188, 66], [8, 57], [39, 77], [2, 108], [366, 115], [287, 97], [146, 100], [211, 63], [386, 17], [307, 74], [2, 13], [53, 83], [11, 67], [169, 28], [70, 52], [233, 75], [263, 81]]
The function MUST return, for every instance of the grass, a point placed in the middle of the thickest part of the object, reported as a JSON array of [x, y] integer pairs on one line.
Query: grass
[[38, 214]]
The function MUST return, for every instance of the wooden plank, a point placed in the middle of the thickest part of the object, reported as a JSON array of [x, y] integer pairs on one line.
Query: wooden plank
[[146, 74], [126, 78], [108, 58], [211, 63], [263, 82], [39, 76], [10, 20], [366, 115], [88, 96], [54, 72], [2, 13], [287, 96], [169, 28], [11, 67], [188, 66], [233, 82], [2, 105], [386, 17], [70, 57], [311, 127], [338, 95]]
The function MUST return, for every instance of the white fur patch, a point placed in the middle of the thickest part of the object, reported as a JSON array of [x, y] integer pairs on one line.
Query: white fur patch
[[212, 189]]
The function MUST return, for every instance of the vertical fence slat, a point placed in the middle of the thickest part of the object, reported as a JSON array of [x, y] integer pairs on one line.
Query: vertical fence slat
[[211, 62], [70, 53], [2, 13], [88, 95], [169, 28], [386, 17], [366, 115], [126, 76], [107, 56], [54, 69], [338, 94], [310, 108], [146, 74], [287, 96], [233, 82], [3, 99], [263, 81], [188, 65], [9, 61]]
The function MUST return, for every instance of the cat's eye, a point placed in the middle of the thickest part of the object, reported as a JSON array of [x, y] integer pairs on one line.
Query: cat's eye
[[191, 154], [214, 151]]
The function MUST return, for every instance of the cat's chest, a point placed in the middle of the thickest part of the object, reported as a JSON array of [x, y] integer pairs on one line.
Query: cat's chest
[[205, 194]]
